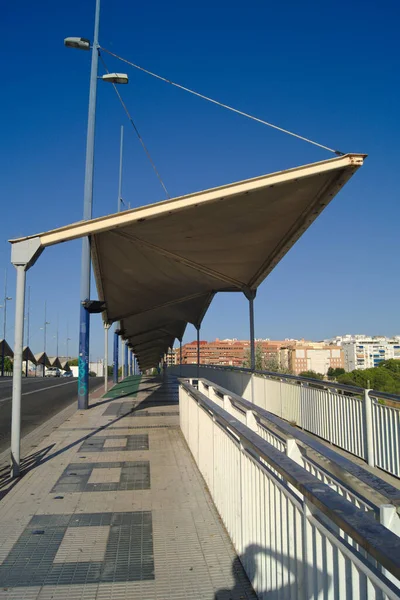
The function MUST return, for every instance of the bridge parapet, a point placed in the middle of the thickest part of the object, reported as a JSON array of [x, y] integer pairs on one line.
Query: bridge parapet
[[298, 535]]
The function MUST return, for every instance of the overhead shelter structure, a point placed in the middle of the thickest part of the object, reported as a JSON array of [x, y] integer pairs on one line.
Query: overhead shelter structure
[[28, 357], [27, 354], [42, 359], [65, 365], [158, 267], [55, 362], [5, 349]]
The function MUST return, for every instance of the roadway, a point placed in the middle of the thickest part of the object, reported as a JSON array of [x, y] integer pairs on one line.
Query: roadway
[[42, 398]]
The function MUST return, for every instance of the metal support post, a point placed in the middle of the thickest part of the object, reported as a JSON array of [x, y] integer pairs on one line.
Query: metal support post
[[17, 371], [390, 519], [180, 358], [368, 429], [250, 295], [106, 328], [83, 371], [252, 337], [115, 369], [198, 352], [5, 299], [121, 150], [27, 327], [126, 359], [130, 362]]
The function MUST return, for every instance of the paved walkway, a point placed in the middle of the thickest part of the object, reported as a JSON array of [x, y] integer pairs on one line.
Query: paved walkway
[[113, 507]]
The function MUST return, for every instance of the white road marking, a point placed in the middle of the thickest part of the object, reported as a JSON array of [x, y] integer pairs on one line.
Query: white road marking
[[50, 387]]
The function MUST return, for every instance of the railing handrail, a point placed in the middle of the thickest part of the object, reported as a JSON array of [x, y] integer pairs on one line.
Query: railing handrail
[[377, 540], [314, 382], [380, 486]]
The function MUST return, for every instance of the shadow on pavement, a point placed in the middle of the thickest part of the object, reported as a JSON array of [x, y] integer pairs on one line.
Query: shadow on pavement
[[7, 483], [41, 457], [298, 574]]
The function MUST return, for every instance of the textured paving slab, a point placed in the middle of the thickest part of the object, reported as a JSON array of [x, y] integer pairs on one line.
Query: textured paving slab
[[116, 509]]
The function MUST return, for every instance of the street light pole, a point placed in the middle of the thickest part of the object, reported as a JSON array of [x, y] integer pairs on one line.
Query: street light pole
[[57, 338], [27, 327], [83, 371], [84, 321], [121, 150], [5, 299], [68, 340]]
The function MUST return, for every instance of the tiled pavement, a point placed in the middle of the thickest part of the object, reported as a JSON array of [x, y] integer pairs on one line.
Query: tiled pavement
[[115, 510]]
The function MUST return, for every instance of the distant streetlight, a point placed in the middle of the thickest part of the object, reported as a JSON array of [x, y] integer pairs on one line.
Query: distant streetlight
[[5, 300], [115, 78]]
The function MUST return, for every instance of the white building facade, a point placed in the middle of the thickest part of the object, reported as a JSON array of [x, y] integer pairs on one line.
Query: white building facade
[[364, 352]]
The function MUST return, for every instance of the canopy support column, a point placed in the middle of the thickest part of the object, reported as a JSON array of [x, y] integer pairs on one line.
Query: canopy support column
[[250, 295], [106, 328], [23, 256], [17, 371], [115, 361], [198, 351], [180, 358], [126, 359]]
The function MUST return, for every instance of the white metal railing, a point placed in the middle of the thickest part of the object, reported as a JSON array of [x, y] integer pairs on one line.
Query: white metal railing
[[289, 529], [353, 419], [285, 438]]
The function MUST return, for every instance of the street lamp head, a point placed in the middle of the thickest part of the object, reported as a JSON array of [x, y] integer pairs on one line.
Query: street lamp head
[[115, 78], [77, 42]]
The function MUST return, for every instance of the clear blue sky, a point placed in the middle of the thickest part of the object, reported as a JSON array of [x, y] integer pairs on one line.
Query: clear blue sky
[[324, 71]]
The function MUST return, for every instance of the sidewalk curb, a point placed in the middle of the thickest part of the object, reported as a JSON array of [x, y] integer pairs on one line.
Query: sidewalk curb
[[33, 439]]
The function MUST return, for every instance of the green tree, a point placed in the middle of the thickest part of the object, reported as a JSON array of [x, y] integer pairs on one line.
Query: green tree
[[379, 378], [259, 358], [263, 362], [332, 373], [311, 375], [392, 364], [8, 363], [73, 362]]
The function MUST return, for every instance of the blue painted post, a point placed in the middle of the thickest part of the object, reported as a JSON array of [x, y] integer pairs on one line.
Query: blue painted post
[[115, 370], [126, 359], [83, 372], [131, 362]]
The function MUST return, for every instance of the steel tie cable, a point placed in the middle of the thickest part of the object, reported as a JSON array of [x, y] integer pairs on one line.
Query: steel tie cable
[[235, 110], [137, 131]]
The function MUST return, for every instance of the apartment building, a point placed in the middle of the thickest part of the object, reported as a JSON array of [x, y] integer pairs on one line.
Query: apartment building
[[313, 356], [364, 352], [229, 352]]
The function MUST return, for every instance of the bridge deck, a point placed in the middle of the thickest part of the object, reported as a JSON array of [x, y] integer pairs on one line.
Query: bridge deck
[[113, 506]]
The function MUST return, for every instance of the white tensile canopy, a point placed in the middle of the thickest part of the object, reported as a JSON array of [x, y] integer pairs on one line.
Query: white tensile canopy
[[158, 267]]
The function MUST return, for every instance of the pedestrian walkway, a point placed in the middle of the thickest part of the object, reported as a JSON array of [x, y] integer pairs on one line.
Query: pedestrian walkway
[[115, 508]]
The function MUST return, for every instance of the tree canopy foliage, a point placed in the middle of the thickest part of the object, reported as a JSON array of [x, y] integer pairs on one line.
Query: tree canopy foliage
[[335, 372], [311, 375], [383, 378], [264, 362]]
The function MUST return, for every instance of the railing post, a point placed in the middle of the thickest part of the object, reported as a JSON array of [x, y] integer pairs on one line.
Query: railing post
[[251, 421], [293, 451], [369, 453], [390, 519]]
